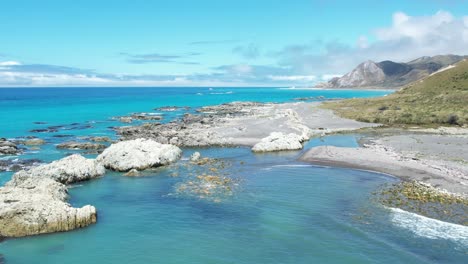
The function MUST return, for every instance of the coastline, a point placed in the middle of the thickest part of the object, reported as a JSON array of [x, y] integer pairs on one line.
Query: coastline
[[272, 127], [407, 156]]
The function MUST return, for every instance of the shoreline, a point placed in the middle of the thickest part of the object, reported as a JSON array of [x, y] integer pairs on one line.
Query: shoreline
[[396, 155], [265, 127]]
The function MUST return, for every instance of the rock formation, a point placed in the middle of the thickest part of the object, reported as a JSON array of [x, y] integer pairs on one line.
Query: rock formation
[[37, 206], [138, 154], [71, 169], [35, 201], [278, 141]]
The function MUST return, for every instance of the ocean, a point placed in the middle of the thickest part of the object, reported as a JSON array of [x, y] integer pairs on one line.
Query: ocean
[[280, 211]]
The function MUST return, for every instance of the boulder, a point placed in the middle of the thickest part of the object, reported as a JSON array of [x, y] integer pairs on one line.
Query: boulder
[[71, 169], [138, 154], [38, 205], [277, 141]]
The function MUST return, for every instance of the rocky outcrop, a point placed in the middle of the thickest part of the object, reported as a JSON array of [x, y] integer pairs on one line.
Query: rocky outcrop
[[71, 169], [391, 74], [138, 154], [8, 147], [35, 201], [81, 145], [277, 142], [38, 206]]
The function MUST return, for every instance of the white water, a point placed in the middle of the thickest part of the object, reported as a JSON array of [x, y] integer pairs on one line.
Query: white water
[[428, 227]]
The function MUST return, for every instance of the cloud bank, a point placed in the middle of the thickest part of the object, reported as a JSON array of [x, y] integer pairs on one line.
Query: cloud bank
[[406, 38]]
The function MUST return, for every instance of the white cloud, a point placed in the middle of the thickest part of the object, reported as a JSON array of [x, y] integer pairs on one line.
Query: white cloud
[[9, 63], [302, 78], [326, 77], [406, 38]]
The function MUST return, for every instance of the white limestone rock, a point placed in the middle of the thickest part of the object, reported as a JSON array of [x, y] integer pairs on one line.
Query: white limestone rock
[[71, 169], [38, 205], [278, 141], [138, 154]]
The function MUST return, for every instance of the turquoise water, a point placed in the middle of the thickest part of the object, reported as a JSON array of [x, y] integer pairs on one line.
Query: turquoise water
[[281, 211]]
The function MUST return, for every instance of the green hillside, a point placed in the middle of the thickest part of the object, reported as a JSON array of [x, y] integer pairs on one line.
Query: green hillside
[[440, 99]]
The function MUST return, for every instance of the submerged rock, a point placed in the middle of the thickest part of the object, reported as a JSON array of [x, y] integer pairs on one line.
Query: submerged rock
[[38, 205], [210, 187], [172, 108], [277, 141], [125, 119], [146, 116], [139, 116], [34, 142], [71, 169], [18, 164], [195, 156], [100, 139], [138, 154], [81, 145], [8, 147]]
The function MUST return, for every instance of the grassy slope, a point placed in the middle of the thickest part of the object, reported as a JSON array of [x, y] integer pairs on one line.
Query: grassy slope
[[440, 99]]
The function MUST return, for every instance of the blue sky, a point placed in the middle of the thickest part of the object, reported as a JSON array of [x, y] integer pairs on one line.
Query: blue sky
[[216, 43]]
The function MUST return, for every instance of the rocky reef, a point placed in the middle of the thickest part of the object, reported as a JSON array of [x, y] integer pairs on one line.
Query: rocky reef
[[243, 124], [138, 154]]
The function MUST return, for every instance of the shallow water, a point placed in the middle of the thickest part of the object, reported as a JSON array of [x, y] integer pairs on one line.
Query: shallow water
[[282, 211]]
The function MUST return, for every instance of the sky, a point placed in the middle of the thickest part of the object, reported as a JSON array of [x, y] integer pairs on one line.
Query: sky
[[217, 42]]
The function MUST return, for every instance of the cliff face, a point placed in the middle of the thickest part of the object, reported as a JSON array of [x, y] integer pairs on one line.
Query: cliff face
[[389, 74], [365, 74]]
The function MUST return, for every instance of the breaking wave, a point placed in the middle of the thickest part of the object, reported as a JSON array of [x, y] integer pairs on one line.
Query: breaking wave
[[428, 227]]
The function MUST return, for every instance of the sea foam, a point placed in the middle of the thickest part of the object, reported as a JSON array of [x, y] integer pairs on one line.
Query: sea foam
[[428, 227]]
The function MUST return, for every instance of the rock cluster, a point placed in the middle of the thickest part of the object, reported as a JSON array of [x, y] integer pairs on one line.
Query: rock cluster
[[8, 147], [138, 154], [193, 130]]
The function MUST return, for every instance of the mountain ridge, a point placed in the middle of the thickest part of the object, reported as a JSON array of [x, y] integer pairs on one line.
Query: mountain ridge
[[389, 74]]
